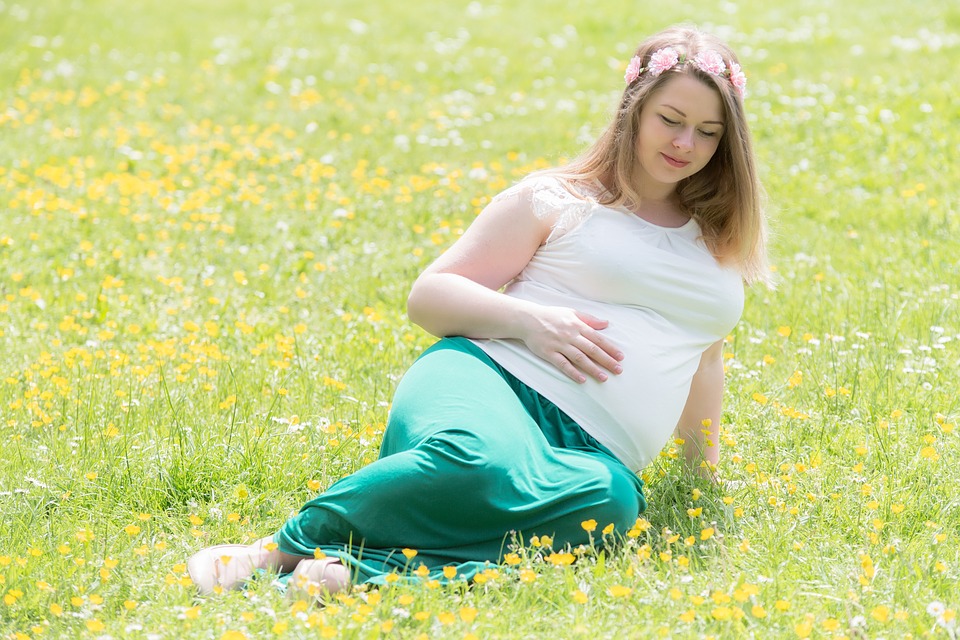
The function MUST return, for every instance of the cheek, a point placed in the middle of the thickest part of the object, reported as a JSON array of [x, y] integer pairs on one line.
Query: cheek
[[710, 149]]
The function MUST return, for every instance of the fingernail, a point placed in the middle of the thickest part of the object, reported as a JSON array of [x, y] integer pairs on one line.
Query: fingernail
[[618, 369], [602, 377], [581, 379]]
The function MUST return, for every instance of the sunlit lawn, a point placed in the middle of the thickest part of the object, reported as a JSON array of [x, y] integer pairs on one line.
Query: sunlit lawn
[[211, 216]]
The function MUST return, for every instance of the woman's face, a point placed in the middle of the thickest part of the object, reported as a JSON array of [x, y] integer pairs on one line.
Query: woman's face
[[680, 129]]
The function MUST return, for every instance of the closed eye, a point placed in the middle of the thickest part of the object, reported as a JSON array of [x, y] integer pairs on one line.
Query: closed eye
[[668, 121], [708, 134]]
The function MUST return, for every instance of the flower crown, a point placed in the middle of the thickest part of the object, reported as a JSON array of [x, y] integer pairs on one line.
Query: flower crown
[[707, 61]]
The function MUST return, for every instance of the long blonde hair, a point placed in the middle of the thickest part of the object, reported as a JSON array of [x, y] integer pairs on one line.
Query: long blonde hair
[[725, 197]]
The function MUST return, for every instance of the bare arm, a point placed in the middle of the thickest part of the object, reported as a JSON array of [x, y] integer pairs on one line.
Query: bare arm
[[699, 425], [459, 295]]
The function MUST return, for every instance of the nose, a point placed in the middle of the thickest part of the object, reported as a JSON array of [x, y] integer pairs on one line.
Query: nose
[[684, 139]]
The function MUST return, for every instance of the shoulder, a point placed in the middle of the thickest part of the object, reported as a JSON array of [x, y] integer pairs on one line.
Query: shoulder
[[546, 195]]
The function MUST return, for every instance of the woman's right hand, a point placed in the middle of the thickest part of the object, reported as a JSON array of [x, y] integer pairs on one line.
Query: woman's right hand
[[572, 341]]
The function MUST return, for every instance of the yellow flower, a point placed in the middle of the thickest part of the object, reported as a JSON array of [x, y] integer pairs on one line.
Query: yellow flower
[[619, 591], [707, 533], [410, 553], [722, 613], [589, 525], [930, 453], [449, 573], [446, 618], [758, 612], [233, 634], [795, 380], [95, 625], [580, 597], [880, 613], [468, 614]]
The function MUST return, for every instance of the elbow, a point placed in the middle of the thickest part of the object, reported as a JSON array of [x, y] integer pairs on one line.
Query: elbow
[[415, 304]]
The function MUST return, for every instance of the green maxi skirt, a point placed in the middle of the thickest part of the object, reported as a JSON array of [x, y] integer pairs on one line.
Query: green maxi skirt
[[472, 461]]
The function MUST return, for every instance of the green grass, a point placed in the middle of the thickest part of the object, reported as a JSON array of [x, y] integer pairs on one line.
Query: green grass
[[212, 213]]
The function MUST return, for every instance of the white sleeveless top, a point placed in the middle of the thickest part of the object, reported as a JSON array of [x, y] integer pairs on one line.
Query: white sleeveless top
[[667, 299]]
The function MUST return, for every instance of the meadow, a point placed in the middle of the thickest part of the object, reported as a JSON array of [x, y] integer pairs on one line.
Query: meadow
[[211, 216]]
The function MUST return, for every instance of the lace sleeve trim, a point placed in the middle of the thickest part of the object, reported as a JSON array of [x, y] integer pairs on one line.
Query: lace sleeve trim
[[550, 201]]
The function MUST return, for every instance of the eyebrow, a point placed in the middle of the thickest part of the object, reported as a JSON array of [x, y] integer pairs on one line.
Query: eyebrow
[[685, 115]]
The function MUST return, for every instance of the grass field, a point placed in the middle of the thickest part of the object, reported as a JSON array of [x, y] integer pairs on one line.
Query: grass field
[[211, 216]]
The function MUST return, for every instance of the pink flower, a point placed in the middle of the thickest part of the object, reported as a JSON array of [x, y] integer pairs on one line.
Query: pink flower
[[738, 79], [710, 62], [661, 60], [633, 70]]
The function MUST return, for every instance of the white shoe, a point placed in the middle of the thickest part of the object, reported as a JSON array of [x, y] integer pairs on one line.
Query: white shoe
[[318, 579], [225, 566]]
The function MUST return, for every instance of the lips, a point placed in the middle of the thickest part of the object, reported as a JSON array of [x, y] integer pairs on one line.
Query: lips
[[674, 162]]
